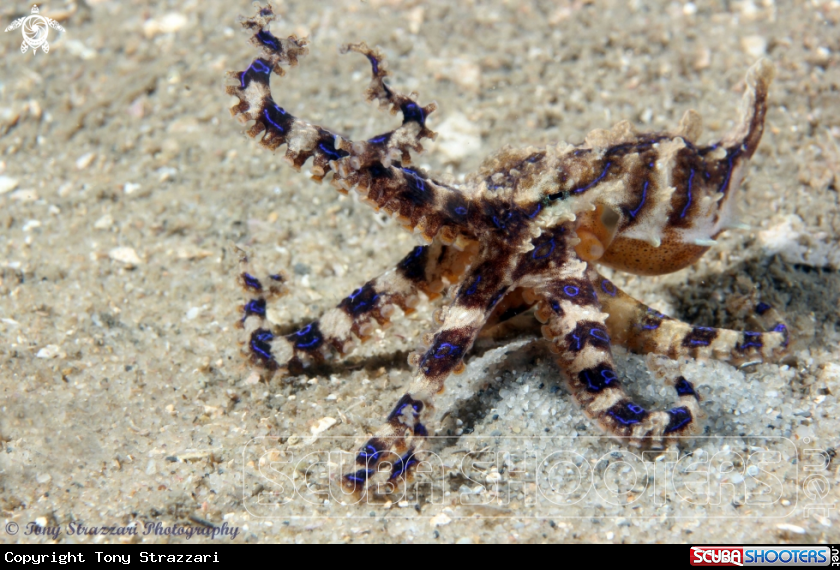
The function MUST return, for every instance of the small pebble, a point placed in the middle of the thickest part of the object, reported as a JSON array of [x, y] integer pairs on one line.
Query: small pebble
[[85, 160], [167, 24], [791, 528], [7, 184], [440, 520], [322, 425], [104, 222], [754, 46], [125, 255], [49, 351]]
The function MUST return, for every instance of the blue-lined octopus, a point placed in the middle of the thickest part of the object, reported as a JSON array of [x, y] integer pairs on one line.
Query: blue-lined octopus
[[525, 232]]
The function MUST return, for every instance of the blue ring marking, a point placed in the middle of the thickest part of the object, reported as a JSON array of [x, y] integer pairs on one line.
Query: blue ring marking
[[360, 476], [379, 171], [268, 118], [680, 417], [413, 112], [369, 453], [633, 213], [415, 181], [330, 152], [303, 332], [537, 211], [358, 307], [596, 181], [268, 39], [608, 375], [550, 251], [752, 343], [412, 266], [260, 343], [687, 204], [496, 298], [254, 307], [729, 158], [380, 139], [684, 387], [762, 308], [650, 320], [374, 64], [600, 334], [701, 342], [403, 464], [417, 252], [474, 286], [577, 341], [606, 286], [406, 400], [781, 328], [416, 406], [451, 350], [276, 277], [251, 282], [571, 290], [258, 67], [591, 386], [461, 211], [501, 223], [420, 429], [555, 306], [637, 411]]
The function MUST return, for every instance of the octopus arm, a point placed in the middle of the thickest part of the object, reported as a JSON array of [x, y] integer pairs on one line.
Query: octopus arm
[[378, 168], [425, 269]]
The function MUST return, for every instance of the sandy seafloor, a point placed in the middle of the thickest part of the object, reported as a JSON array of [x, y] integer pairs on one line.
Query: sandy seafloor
[[124, 184]]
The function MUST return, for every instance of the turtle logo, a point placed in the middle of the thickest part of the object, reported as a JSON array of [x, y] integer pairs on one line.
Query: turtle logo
[[35, 31]]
